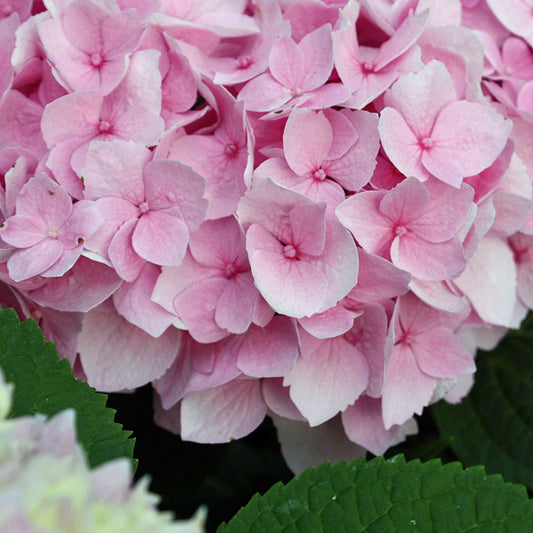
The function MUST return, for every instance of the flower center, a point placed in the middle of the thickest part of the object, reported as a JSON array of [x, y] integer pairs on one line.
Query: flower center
[[104, 126], [231, 149], [367, 67], [143, 208], [426, 143], [96, 60], [230, 271], [319, 174], [244, 62], [52, 234], [400, 230], [297, 92], [289, 251]]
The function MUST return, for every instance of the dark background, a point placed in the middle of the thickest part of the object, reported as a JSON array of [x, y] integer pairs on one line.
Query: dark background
[[224, 476]]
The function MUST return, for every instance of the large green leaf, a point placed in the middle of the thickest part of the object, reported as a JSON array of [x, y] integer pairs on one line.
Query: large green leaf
[[45, 384], [387, 496], [493, 425]]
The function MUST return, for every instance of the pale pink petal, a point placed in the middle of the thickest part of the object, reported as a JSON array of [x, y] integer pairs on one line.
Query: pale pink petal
[[270, 351], [306, 153], [440, 353], [303, 446], [160, 238], [82, 25], [317, 55], [29, 262], [278, 400], [469, 134], [401, 144], [169, 184], [123, 257], [308, 225], [236, 304], [117, 355], [420, 97], [23, 231], [84, 220], [132, 301], [361, 215], [115, 169], [363, 423], [330, 323], [224, 413], [406, 390], [329, 376], [218, 243], [426, 260], [287, 63], [292, 287], [264, 93], [196, 307], [489, 282], [83, 287]]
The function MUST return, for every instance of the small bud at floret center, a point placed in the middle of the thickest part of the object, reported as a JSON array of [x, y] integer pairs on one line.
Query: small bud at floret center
[[244, 62], [230, 270], [104, 126], [96, 60], [319, 174], [426, 142], [143, 208], [52, 234], [289, 251], [231, 149], [400, 230]]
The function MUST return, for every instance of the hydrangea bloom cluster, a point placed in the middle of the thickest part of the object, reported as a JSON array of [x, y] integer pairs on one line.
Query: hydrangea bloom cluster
[[46, 485], [312, 209]]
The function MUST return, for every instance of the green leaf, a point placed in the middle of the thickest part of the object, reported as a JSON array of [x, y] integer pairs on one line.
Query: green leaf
[[384, 496], [493, 425], [45, 384]]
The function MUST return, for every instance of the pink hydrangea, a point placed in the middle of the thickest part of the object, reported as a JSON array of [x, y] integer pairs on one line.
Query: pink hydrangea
[[270, 208]]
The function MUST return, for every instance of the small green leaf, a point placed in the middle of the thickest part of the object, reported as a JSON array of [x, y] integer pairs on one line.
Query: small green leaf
[[493, 425], [45, 384], [391, 495]]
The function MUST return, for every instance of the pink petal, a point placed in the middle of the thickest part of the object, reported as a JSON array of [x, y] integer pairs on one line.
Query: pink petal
[[308, 225], [360, 213], [426, 260], [363, 423], [287, 63], [218, 243], [160, 238], [401, 144], [125, 260], [303, 446], [330, 323], [330, 375], [82, 25], [132, 301], [406, 390], [317, 52], [306, 153], [278, 400], [236, 304], [196, 307], [224, 413], [29, 262], [23, 231], [420, 97], [115, 169], [440, 353], [117, 355], [270, 351], [292, 287], [169, 184], [264, 93], [469, 134], [489, 282]]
